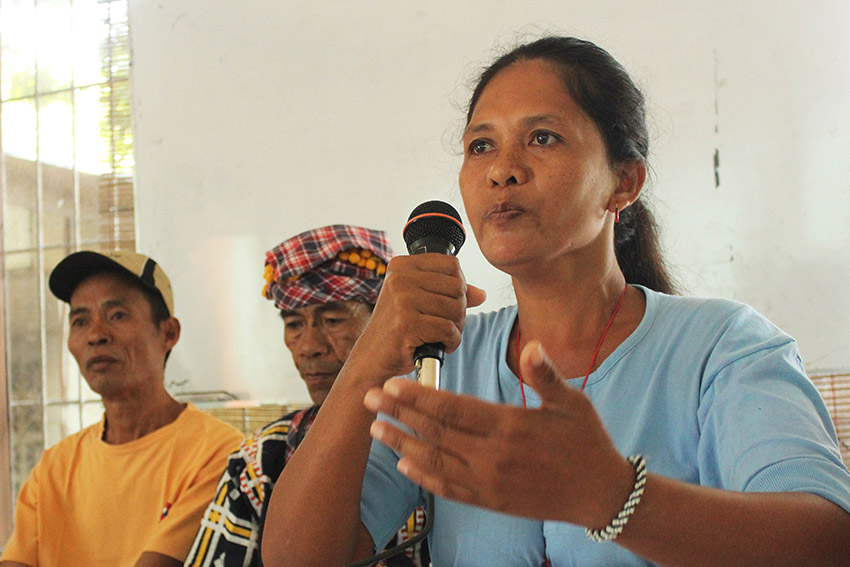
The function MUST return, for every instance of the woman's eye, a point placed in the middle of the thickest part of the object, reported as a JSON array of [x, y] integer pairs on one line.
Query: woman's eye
[[119, 315], [292, 325], [478, 147], [543, 138]]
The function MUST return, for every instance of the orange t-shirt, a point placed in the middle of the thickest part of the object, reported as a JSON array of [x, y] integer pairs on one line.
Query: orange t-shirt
[[90, 503]]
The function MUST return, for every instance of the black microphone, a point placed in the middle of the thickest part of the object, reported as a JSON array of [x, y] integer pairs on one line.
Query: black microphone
[[433, 226]]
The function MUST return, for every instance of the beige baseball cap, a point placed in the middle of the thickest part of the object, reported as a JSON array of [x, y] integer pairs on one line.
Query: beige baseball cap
[[68, 273]]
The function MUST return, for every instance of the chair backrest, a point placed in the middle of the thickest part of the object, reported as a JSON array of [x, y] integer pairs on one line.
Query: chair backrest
[[245, 415], [835, 389], [248, 417]]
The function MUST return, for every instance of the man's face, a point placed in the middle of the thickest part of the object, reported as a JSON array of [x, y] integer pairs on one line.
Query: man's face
[[320, 338], [120, 350]]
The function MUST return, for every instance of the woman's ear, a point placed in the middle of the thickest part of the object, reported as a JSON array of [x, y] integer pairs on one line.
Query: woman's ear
[[632, 176]]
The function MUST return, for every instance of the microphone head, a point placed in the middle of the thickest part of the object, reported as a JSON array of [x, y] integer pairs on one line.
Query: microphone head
[[434, 226]]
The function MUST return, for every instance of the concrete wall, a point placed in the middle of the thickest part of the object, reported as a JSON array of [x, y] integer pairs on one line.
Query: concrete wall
[[257, 120]]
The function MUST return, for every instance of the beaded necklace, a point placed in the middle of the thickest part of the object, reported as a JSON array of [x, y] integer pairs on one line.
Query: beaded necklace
[[595, 354]]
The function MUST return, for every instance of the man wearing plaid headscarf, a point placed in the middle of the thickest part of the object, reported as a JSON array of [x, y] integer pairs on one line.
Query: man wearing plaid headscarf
[[325, 283]]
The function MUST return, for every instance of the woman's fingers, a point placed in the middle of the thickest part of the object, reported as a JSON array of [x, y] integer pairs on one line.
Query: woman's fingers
[[423, 300], [473, 451], [421, 408]]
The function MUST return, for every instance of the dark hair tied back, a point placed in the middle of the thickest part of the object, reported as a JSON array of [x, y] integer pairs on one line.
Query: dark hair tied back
[[606, 92]]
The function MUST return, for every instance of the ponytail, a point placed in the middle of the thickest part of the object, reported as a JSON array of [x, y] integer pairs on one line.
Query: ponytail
[[638, 250]]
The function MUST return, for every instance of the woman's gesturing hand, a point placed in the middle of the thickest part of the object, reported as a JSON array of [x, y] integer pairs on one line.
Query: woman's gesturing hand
[[556, 462]]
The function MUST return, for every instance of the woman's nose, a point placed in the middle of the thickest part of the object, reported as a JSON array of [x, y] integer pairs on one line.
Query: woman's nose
[[508, 168]]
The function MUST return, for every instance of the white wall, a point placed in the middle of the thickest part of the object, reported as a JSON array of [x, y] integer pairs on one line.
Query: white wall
[[256, 120]]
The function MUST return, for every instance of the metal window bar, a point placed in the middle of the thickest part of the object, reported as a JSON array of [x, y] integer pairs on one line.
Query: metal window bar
[[6, 495]]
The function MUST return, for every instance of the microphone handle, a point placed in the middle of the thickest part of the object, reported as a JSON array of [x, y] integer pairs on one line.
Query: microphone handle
[[432, 244], [429, 357], [429, 360]]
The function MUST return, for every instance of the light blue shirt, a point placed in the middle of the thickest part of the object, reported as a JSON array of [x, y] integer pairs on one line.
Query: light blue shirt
[[708, 390]]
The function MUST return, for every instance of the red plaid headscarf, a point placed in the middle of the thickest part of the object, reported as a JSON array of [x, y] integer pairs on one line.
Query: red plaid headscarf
[[308, 272]]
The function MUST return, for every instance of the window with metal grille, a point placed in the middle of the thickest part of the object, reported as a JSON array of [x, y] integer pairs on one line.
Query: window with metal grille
[[66, 174]]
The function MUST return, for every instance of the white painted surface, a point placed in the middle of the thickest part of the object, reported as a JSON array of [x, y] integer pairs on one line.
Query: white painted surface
[[257, 120]]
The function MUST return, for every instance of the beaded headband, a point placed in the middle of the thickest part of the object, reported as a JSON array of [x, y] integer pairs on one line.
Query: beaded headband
[[331, 263]]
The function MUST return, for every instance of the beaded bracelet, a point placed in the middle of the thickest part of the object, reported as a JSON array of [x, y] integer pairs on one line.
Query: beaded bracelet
[[612, 530]]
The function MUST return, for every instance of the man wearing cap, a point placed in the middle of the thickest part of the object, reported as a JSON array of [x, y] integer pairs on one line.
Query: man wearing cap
[[325, 283], [129, 490]]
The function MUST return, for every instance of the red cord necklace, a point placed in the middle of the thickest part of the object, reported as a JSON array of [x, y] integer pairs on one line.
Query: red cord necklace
[[595, 354]]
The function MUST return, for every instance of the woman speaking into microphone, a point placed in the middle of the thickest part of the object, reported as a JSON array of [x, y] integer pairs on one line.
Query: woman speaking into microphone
[[602, 420]]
